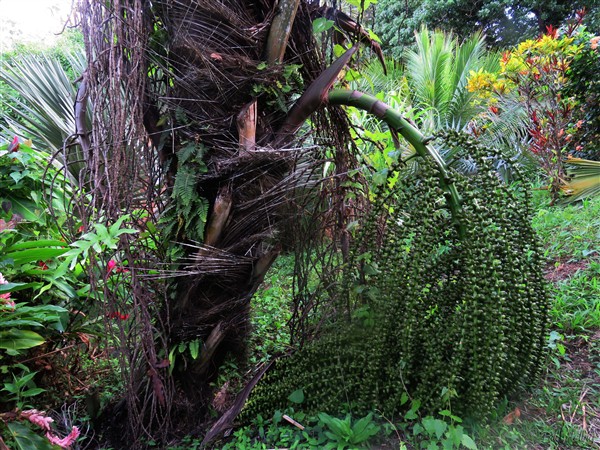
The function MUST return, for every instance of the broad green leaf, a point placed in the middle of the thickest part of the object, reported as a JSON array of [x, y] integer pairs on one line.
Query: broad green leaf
[[372, 34], [447, 444], [194, 347], [19, 339], [26, 209], [44, 309], [19, 322], [468, 442], [24, 379], [26, 439], [455, 434], [35, 244], [364, 428], [322, 24], [32, 392], [13, 287], [172, 359], [435, 427], [34, 255], [297, 396]]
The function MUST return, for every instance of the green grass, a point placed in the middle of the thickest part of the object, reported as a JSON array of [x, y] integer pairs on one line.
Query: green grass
[[576, 307], [568, 233], [570, 236]]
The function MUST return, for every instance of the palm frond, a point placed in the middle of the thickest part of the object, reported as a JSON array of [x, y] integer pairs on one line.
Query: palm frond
[[45, 94], [584, 179], [467, 56], [428, 68], [437, 70]]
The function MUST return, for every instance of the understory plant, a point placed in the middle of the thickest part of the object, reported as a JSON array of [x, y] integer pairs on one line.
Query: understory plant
[[48, 328], [537, 75]]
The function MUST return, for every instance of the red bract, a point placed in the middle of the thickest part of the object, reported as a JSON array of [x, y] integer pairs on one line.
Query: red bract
[[110, 266], [14, 145]]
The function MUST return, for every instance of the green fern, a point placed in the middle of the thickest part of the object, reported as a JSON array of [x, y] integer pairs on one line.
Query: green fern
[[185, 218]]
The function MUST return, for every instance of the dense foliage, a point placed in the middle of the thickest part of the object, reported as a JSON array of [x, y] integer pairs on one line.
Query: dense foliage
[[504, 22], [417, 289], [537, 75]]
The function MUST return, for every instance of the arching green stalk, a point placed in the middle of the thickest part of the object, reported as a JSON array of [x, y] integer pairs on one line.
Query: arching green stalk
[[395, 120]]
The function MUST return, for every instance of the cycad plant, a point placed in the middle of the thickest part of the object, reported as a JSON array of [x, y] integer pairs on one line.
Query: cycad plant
[[437, 70], [429, 87]]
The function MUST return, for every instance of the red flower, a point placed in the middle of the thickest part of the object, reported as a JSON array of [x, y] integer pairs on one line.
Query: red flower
[[42, 265], [14, 145], [110, 266], [117, 315]]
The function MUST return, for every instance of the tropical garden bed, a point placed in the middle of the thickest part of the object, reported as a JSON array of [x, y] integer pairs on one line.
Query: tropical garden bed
[[204, 244]]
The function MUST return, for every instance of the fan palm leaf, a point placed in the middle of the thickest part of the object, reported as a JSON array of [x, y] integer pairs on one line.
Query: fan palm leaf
[[584, 179]]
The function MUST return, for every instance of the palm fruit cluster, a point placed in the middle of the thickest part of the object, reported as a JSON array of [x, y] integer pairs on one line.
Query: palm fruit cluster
[[456, 318]]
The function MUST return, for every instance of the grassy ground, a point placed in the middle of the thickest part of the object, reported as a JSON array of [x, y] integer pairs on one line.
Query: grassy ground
[[561, 412]]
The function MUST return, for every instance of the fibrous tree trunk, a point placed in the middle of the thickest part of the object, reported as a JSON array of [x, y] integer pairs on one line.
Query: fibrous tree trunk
[[211, 84]]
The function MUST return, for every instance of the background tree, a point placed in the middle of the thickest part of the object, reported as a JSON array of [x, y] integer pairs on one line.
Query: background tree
[[503, 22]]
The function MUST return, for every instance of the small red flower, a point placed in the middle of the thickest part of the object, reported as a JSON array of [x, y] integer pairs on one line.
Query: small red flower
[[42, 265], [14, 145], [117, 315], [110, 266]]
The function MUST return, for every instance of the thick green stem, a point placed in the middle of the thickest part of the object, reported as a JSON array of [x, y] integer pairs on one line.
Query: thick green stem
[[395, 120]]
